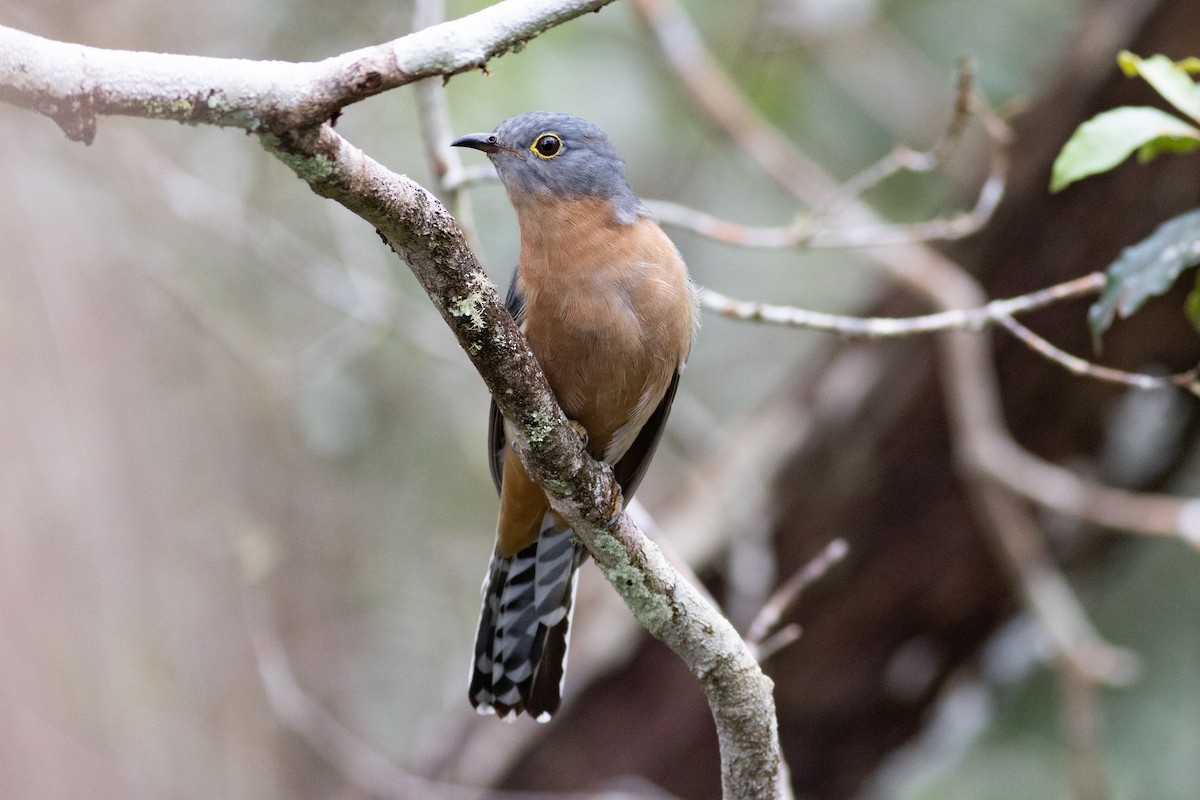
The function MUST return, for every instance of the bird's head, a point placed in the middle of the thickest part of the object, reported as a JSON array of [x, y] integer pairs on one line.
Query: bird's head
[[544, 154]]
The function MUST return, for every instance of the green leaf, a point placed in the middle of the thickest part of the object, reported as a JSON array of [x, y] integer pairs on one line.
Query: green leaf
[[1169, 79], [1109, 138], [1191, 64], [1148, 269], [1162, 145], [1192, 305]]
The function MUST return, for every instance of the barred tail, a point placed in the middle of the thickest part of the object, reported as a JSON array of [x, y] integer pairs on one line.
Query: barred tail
[[521, 647]]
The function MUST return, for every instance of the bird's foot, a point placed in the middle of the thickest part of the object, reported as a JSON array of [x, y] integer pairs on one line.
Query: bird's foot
[[580, 431], [616, 504]]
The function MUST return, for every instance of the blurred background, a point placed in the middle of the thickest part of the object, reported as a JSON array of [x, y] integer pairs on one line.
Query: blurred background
[[242, 460]]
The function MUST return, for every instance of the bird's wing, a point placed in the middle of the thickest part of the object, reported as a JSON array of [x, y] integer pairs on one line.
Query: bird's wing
[[515, 303], [630, 468]]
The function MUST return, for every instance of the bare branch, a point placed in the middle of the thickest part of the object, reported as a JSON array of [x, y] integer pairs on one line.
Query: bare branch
[[972, 319], [969, 381], [73, 84], [437, 132], [721, 100], [998, 312], [1046, 484], [1079, 366], [968, 103], [785, 597], [776, 641], [1063, 491], [1081, 723], [815, 230]]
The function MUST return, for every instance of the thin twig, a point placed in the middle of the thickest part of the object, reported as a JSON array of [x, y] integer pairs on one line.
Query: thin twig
[[973, 319], [814, 231], [775, 642], [470, 176], [1061, 490], [968, 102], [998, 312], [1079, 366], [785, 597], [433, 113], [1081, 723]]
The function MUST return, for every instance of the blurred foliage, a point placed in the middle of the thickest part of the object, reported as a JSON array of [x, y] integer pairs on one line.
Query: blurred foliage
[[1150, 737], [1147, 269]]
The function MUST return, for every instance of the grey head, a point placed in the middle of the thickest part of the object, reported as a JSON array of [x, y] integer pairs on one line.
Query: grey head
[[548, 154]]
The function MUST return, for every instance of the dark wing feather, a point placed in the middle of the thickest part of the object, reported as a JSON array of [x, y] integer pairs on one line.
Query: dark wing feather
[[515, 303], [632, 466], [496, 444]]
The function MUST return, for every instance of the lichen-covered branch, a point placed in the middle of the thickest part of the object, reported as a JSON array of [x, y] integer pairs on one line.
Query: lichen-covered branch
[[287, 106], [424, 234]]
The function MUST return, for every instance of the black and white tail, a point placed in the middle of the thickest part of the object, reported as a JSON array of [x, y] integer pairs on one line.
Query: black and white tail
[[521, 647]]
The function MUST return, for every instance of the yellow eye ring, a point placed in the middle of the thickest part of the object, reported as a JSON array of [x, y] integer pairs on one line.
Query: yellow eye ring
[[546, 146]]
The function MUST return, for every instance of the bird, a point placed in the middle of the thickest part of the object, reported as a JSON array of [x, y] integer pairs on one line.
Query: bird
[[608, 309]]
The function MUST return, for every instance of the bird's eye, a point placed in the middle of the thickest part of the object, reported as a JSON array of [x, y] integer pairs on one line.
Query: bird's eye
[[547, 145]]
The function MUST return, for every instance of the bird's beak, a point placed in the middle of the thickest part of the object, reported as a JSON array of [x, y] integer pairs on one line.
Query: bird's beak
[[478, 141]]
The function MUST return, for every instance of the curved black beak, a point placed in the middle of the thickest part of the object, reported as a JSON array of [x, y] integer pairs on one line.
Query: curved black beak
[[478, 141]]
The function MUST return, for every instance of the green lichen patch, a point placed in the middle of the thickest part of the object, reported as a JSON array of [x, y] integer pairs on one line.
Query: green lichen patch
[[310, 168], [652, 609], [541, 425], [181, 109]]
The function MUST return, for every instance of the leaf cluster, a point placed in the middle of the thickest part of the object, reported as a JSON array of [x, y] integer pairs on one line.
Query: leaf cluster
[[1150, 267]]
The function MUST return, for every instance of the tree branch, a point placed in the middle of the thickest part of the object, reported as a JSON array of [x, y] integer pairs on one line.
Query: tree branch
[[996, 312], [73, 84], [970, 319], [1078, 366], [762, 636]]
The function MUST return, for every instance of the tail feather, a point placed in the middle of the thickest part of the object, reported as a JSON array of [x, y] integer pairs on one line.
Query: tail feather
[[545, 693], [520, 650]]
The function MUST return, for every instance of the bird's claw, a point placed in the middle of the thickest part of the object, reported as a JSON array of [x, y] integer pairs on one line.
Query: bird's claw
[[617, 503], [580, 431]]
